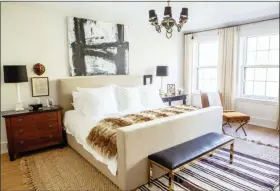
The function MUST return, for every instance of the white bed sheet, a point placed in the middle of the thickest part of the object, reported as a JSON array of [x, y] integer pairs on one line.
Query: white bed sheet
[[79, 126]]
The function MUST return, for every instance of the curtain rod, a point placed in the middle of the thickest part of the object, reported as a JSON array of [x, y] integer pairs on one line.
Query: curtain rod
[[232, 26]]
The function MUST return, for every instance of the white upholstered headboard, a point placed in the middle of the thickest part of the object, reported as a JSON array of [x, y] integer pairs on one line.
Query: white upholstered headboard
[[67, 85]]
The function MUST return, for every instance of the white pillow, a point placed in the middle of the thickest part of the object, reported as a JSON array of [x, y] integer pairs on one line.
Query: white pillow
[[128, 99], [214, 99], [75, 96], [96, 101], [150, 97]]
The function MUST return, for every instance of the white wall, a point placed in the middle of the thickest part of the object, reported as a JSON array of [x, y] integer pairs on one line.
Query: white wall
[[262, 113], [37, 33]]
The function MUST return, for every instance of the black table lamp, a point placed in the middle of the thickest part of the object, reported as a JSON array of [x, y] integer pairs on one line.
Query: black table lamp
[[16, 74], [162, 71]]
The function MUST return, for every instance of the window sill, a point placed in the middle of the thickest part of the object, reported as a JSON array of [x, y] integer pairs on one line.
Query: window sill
[[258, 101]]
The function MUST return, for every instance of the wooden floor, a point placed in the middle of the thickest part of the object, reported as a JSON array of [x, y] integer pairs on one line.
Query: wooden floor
[[11, 177], [265, 135]]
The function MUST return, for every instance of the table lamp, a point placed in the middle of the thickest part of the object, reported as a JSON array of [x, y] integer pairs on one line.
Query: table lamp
[[162, 71], [16, 74]]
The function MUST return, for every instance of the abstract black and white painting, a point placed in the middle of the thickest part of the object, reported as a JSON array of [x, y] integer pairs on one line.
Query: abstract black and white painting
[[97, 48]]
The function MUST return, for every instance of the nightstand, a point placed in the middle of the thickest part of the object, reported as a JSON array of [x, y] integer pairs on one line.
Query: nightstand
[[170, 98], [31, 130]]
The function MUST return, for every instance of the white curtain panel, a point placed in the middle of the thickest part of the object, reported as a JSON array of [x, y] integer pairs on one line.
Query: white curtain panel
[[278, 113], [228, 39], [188, 65]]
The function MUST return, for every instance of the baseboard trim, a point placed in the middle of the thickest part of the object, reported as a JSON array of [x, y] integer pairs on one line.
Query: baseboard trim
[[271, 124], [4, 147]]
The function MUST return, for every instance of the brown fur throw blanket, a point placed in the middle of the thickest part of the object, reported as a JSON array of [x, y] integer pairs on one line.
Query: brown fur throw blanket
[[103, 136]]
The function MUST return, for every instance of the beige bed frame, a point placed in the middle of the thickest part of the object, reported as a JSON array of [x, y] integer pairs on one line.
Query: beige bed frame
[[136, 142]]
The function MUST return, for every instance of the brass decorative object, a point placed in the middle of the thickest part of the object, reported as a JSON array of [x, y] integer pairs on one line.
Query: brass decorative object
[[168, 22]]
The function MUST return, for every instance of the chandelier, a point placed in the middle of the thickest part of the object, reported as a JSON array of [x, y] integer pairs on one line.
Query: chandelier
[[168, 22]]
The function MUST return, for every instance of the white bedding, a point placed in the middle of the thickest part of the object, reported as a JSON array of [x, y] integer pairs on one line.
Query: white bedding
[[79, 126]]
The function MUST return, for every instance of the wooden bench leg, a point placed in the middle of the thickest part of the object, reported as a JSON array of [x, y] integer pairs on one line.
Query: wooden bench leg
[[150, 173], [231, 153], [171, 180]]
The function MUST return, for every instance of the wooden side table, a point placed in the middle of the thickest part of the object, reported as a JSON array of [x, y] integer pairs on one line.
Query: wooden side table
[[31, 130], [171, 98]]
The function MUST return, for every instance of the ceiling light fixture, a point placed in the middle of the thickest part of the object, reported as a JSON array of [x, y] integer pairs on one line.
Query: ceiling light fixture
[[168, 22]]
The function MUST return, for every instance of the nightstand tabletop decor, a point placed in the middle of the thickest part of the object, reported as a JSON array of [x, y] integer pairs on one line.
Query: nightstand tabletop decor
[[31, 130], [176, 97]]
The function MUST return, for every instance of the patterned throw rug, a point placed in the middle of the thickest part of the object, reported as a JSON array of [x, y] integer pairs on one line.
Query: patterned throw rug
[[255, 167], [215, 173]]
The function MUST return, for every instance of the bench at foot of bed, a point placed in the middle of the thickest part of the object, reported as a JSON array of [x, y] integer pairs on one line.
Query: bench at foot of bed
[[174, 158]]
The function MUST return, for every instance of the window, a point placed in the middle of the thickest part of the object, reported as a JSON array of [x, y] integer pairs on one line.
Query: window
[[206, 67], [261, 67]]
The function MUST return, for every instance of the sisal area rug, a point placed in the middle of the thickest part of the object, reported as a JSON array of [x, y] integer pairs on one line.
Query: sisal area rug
[[255, 167]]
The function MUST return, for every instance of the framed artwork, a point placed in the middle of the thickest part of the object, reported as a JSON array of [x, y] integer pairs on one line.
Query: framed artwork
[[171, 89], [148, 79], [40, 86], [97, 48]]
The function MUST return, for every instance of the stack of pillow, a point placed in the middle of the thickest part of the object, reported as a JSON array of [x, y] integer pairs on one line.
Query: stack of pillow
[[114, 99]]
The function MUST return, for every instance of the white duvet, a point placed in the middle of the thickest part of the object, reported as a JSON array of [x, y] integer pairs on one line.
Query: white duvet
[[79, 126]]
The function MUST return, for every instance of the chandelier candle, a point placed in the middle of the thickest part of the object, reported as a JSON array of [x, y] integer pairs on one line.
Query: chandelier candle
[[168, 22]]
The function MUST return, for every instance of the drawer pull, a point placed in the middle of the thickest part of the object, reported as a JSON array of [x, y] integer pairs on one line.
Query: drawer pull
[[51, 136], [20, 120], [21, 142], [21, 131], [50, 125]]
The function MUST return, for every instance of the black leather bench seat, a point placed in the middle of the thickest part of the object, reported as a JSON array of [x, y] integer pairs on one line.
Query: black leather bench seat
[[181, 154]]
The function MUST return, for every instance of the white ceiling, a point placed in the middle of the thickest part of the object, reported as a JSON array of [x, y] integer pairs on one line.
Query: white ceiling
[[202, 15]]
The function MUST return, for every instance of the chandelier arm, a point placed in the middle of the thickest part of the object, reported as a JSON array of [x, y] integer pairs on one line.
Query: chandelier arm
[[179, 26], [158, 28], [168, 22], [168, 34]]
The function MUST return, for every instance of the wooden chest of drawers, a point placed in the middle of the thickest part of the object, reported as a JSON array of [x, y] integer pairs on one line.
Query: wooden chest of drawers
[[28, 131]]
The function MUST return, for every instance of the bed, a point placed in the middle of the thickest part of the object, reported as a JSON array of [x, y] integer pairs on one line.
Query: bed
[[135, 142]]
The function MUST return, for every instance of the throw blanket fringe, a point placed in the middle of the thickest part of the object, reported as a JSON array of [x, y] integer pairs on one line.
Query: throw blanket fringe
[[103, 136]]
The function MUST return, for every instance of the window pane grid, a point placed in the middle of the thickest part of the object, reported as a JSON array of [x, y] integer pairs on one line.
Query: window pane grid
[[206, 68], [261, 67]]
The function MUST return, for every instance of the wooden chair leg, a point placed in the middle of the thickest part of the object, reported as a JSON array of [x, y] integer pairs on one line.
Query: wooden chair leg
[[231, 153], [150, 173], [171, 180]]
